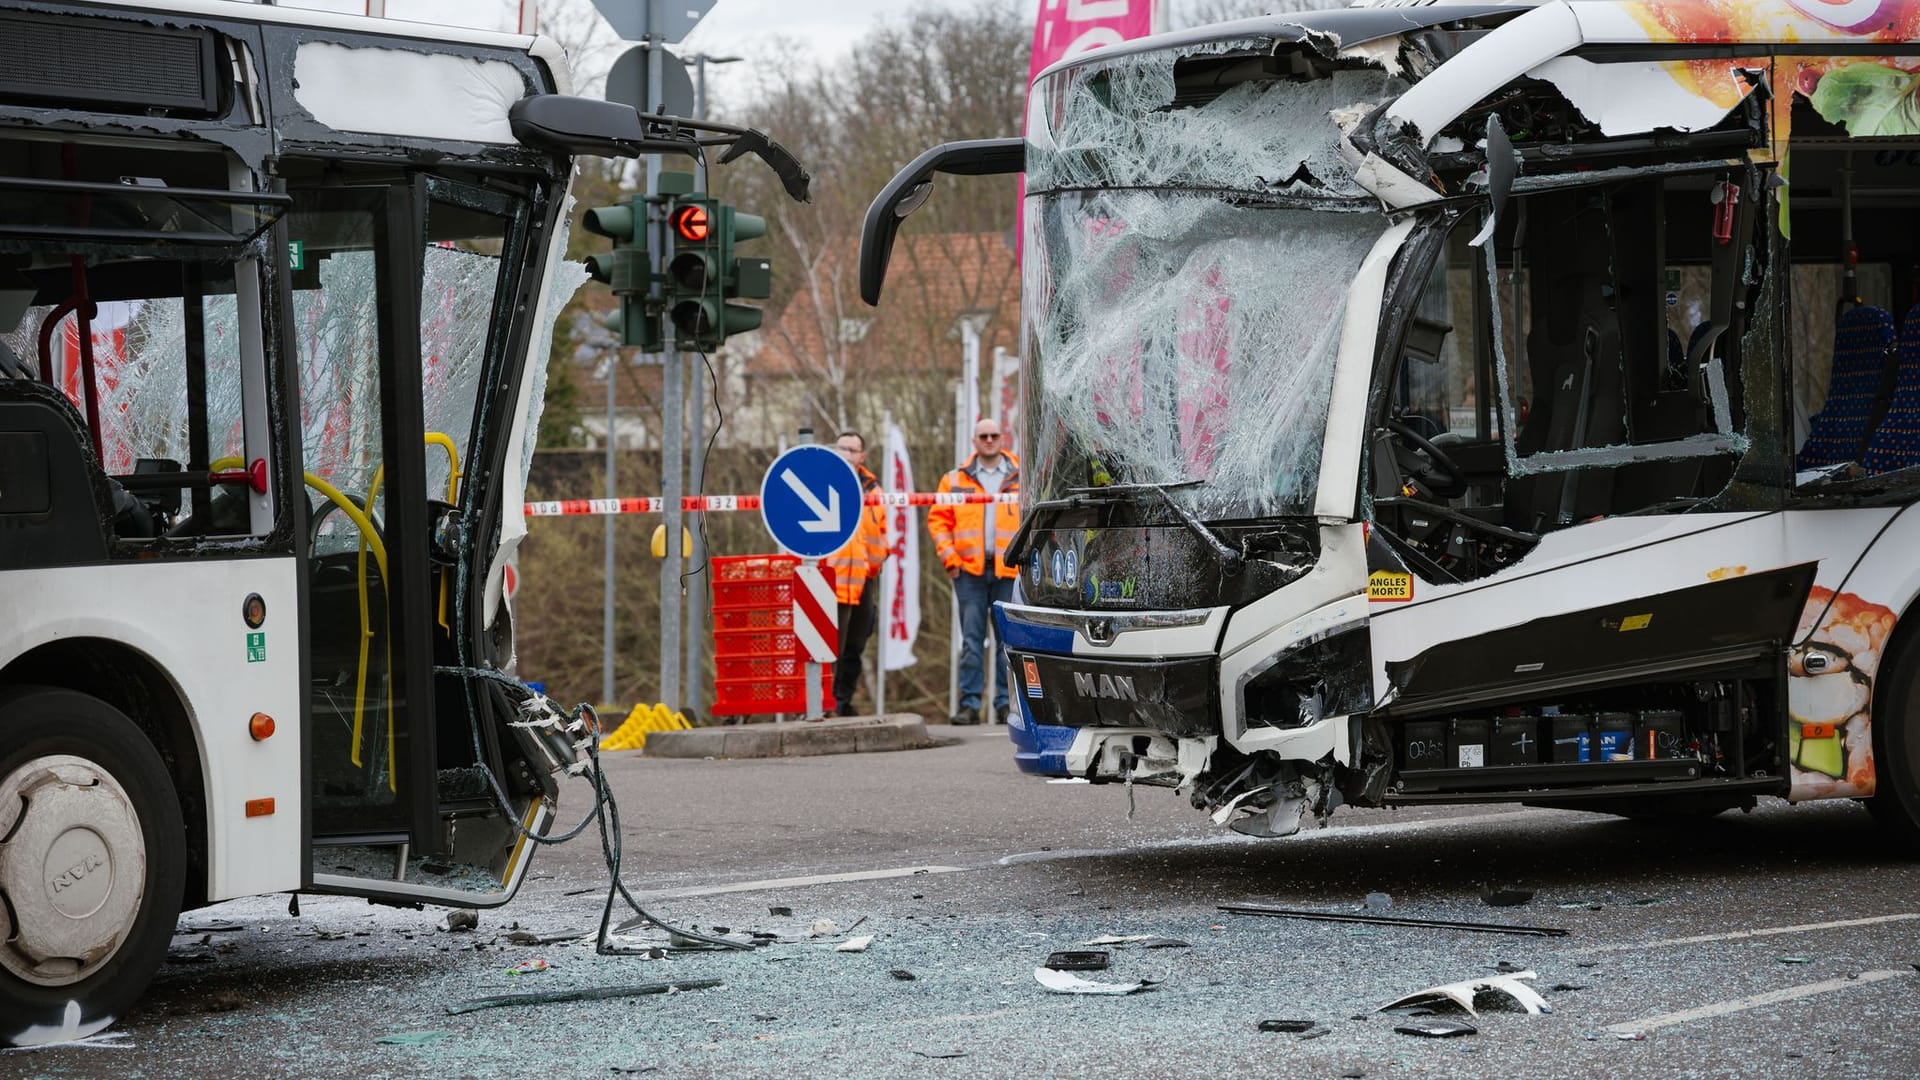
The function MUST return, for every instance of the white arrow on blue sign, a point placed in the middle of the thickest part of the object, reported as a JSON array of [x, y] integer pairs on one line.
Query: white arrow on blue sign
[[811, 501]]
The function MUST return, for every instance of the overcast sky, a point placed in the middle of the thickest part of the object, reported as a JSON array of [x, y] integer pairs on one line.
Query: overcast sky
[[826, 28]]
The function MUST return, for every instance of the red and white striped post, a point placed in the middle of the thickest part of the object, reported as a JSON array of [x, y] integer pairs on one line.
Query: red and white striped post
[[816, 628]]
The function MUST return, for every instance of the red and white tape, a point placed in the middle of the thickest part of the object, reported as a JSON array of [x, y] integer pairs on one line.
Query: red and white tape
[[816, 615], [701, 504]]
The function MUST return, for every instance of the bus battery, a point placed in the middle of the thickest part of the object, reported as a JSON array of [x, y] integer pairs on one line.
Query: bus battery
[[1467, 748], [1515, 741], [1614, 732], [1662, 735], [1572, 738], [1423, 745]]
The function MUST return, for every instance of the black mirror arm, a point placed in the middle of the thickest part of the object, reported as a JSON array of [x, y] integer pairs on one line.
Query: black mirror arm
[[902, 195], [572, 125]]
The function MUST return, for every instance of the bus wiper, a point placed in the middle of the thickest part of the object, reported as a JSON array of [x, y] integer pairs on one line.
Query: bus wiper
[[1231, 559]]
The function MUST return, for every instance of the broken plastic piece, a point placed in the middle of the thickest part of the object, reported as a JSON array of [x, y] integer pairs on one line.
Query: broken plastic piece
[[1462, 993], [779, 909], [528, 967], [591, 993], [903, 974], [858, 944], [461, 919], [1061, 982], [822, 928], [1378, 902], [1387, 920], [1078, 960], [1505, 897], [1437, 1028], [941, 1054], [1294, 1027]]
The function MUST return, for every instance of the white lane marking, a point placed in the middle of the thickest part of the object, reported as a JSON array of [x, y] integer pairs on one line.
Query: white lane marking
[[1740, 935], [795, 882], [1385, 828], [1757, 1001]]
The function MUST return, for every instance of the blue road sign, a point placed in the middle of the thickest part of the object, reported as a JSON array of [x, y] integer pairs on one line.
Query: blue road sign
[[811, 501]]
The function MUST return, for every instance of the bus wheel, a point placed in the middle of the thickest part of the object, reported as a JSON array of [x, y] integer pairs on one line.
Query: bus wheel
[[92, 864], [1896, 743]]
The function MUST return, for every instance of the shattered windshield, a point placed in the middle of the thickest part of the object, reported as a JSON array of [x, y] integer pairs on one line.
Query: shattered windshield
[[1186, 277]]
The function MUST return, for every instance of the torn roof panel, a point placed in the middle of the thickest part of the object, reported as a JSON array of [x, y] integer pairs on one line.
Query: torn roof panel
[[423, 95], [1345, 27], [1625, 98]]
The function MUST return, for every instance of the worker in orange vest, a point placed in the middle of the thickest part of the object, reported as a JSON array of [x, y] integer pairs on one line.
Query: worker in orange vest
[[972, 543], [856, 577]]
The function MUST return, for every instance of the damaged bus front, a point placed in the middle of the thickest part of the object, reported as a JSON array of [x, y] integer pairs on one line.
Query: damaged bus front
[[1498, 402]]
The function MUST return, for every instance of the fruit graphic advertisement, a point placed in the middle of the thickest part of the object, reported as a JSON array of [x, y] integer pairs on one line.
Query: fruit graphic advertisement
[[1840, 641]]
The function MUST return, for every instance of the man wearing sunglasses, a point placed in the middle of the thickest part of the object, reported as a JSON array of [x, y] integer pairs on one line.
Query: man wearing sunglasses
[[972, 544]]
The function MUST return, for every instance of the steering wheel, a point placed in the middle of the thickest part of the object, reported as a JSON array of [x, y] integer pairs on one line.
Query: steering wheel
[[327, 507], [1442, 473]]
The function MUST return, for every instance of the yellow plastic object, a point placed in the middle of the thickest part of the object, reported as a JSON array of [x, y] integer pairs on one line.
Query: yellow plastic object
[[660, 542], [644, 719]]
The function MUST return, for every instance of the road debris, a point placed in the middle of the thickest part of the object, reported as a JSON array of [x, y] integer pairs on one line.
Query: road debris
[[1313, 1033], [1796, 959], [1061, 982], [1388, 920], [216, 927], [1377, 902], [414, 1038], [1292, 1027], [591, 993], [822, 928], [1145, 941], [903, 974], [1462, 993], [460, 920], [858, 944], [528, 967], [528, 937], [937, 1054], [1505, 897], [1436, 1028], [1078, 960], [779, 909]]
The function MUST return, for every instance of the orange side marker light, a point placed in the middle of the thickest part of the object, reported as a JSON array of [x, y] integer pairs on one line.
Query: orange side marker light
[[259, 807], [260, 727]]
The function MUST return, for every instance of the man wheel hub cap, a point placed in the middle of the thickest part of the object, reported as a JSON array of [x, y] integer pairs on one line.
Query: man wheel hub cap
[[73, 866]]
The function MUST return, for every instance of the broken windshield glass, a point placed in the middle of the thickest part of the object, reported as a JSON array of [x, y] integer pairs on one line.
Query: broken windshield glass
[[1132, 123], [1178, 339]]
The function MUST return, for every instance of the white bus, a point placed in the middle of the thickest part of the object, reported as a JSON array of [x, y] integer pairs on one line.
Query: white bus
[[1437, 403], [276, 295]]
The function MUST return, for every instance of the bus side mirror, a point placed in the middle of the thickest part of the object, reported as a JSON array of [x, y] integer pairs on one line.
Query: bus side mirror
[[561, 124], [909, 189]]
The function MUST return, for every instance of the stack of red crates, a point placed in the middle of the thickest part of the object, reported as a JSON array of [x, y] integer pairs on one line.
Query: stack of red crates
[[757, 665]]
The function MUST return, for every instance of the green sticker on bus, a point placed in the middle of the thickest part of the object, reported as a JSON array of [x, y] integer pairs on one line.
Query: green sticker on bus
[[257, 648], [297, 254]]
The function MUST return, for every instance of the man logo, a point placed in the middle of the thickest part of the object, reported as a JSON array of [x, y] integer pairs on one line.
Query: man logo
[[1111, 687]]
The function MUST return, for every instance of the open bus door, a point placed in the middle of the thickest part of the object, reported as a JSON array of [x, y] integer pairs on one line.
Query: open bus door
[[404, 292]]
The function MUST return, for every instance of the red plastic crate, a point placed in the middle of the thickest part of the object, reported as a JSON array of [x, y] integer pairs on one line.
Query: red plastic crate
[[752, 594], [756, 697], [733, 619], [752, 567], [729, 643], [774, 666]]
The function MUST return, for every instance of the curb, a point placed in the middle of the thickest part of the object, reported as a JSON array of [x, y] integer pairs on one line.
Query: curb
[[841, 735]]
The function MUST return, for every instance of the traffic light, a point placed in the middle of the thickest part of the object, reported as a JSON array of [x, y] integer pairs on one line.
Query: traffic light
[[625, 269], [705, 272]]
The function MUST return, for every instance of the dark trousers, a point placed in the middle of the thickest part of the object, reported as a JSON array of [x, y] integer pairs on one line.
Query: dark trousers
[[856, 626]]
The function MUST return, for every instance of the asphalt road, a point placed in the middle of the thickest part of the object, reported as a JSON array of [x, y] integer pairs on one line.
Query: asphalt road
[[1778, 943]]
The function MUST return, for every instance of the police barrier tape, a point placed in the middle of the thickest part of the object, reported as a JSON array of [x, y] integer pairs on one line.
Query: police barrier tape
[[697, 504]]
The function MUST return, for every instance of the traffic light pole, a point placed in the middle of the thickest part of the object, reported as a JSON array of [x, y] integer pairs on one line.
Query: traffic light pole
[[672, 421]]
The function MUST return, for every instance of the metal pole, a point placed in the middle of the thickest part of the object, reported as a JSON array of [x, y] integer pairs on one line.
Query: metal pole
[[815, 705], [953, 623], [694, 689], [606, 608], [672, 427]]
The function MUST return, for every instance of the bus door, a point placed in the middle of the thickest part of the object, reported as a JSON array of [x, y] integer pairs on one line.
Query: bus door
[[399, 286]]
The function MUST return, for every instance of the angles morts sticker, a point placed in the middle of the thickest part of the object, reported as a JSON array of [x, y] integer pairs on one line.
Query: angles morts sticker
[[1389, 587]]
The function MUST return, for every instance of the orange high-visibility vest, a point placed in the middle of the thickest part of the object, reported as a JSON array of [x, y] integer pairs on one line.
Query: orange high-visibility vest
[[861, 557], [960, 532]]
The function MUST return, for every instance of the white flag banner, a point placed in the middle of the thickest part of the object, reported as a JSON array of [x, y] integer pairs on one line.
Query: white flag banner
[[900, 577]]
